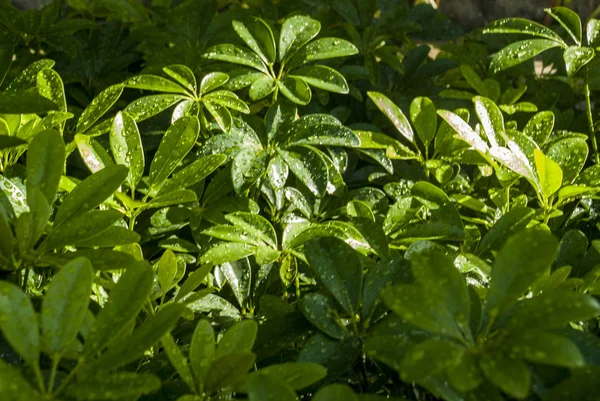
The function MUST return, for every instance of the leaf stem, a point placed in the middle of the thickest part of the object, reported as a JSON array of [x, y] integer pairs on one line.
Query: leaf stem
[[590, 118], [55, 362]]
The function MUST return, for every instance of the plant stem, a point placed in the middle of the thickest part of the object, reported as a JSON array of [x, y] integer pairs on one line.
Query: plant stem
[[39, 378], [590, 118], [55, 361]]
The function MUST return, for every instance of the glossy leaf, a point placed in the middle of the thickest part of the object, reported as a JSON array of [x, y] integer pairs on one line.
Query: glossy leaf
[[335, 392], [227, 370], [521, 26], [295, 89], [297, 375], [308, 167], [320, 129], [126, 147], [540, 126], [549, 173], [394, 114], [183, 75], [576, 57], [176, 143], [570, 154], [153, 83], [202, 349], [423, 115], [50, 85], [178, 360], [90, 193], [262, 387], [335, 264], [296, 31], [322, 49], [569, 20], [212, 81], [238, 338], [98, 107], [322, 77], [236, 55], [521, 51], [321, 312], [262, 86], [25, 102], [148, 106], [258, 36]]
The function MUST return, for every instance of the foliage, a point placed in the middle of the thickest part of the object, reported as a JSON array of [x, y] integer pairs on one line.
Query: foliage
[[208, 200]]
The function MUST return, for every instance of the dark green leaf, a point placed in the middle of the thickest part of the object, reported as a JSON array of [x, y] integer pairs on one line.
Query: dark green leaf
[[524, 258], [227, 370], [90, 193], [183, 75], [298, 375], [65, 304], [429, 358], [116, 386], [153, 83], [132, 347], [263, 387], [258, 36], [569, 20], [337, 266], [236, 55], [24, 102], [322, 313], [295, 89], [50, 85], [515, 220], [202, 349], [512, 376], [335, 392], [176, 143], [308, 167], [544, 347], [126, 300], [521, 26], [238, 338], [19, 323], [540, 126], [320, 129], [322, 49], [322, 77], [45, 162], [148, 106]]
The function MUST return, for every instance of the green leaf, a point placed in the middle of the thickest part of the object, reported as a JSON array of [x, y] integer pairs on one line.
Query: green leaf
[[511, 375], [553, 310], [13, 385], [522, 260], [335, 392], [109, 238], [236, 55], [322, 49], [466, 376], [520, 51], [115, 386], [175, 197], [521, 26], [166, 270], [93, 153], [297, 375], [337, 266], [491, 120], [175, 144], [308, 167], [423, 115], [6, 55], [544, 347], [227, 370], [577, 57], [569, 20], [227, 99], [262, 86], [549, 173], [322, 77], [98, 107], [394, 114], [570, 154], [24, 102], [255, 225], [30, 225], [220, 113], [126, 147], [50, 85], [263, 387], [126, 299], [27, 77], [296, 31], [45, 162], [148, 106], [464, 131], [429, 358], [295, 89], [376, 140], [183, 75], [227, 252], [90, 193], [319, 310], [320, 129], [153, 83], [515, 220], [202, 349], [64, 306], [7, 142], [540, 126], [178, 361], [19, 323], [132, 347], [258, 36], [212, 81], [238, 338], [593, 32]]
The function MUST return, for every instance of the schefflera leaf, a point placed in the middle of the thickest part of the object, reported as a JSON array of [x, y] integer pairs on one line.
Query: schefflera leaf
[[522, 260], [65, 304], [439, 302], [126, 147]]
